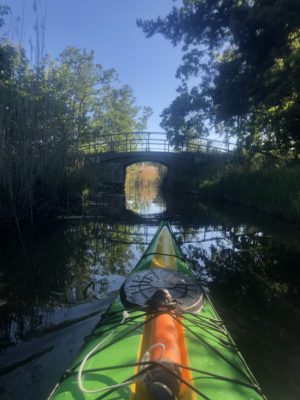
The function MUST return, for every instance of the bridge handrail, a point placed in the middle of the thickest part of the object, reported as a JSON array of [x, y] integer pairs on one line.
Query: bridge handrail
[[156, 133], [152, 141]]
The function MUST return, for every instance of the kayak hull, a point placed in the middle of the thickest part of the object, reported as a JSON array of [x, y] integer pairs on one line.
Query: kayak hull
[[113, 365]]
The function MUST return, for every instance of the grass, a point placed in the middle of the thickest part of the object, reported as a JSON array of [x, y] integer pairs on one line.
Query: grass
[[275, 190]]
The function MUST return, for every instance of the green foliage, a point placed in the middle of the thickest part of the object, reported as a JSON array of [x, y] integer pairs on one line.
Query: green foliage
[[273, 190], [116, 112], [185, 118], [45, 110], [99, 108], [245, 55]]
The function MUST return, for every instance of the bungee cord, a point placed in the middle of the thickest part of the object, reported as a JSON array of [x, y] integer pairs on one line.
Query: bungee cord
[[182, 258], [146, 364], [127, 333], [84, 361], [129, 320]]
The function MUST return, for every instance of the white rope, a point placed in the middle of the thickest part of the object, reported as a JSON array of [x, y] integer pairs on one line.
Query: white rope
[[146, 357], [80, 371]]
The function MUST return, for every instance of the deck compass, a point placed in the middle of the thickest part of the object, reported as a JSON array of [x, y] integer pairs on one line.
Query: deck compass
[[141, 285]]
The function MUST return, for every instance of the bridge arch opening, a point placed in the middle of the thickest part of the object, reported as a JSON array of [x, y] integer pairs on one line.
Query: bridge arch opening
[[143, 184]]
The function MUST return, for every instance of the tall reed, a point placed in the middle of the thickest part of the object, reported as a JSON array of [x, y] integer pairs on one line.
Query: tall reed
[[34, 138]]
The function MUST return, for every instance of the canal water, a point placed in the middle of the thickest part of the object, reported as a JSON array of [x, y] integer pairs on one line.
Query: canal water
[[58, 279]]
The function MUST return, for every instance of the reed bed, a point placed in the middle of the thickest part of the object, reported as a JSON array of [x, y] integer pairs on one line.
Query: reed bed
[[36, 156], [275, 190]]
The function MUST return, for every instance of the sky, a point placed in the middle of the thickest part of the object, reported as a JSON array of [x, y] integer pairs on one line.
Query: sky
[[109, 28]]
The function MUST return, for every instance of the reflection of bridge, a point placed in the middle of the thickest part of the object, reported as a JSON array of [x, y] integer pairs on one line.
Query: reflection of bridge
[[115, 152], [143, 234]]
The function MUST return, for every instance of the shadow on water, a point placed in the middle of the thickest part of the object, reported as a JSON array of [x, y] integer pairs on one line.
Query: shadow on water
[[53, 293]]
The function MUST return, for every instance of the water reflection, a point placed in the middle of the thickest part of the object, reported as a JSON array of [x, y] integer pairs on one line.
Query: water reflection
[[62, 270], [255, 285], [68, 264], [142, 188], [145, 200], [248, 269]]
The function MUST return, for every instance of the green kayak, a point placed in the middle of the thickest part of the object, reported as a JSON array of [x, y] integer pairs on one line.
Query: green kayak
[[161, 338]]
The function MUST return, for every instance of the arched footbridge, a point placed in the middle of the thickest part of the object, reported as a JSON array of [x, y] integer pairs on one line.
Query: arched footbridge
[[112, 154]]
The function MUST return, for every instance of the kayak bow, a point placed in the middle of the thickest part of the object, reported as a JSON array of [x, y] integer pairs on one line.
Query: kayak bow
[[160, 339]]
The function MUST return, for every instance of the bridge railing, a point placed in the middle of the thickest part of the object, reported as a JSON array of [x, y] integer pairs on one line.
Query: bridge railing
[[152, 141]]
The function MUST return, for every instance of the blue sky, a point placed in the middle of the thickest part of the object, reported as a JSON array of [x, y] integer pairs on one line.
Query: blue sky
[[109, 28]]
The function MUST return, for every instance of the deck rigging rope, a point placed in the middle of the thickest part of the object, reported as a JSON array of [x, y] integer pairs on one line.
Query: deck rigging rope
[[146, 365], [155, 307], [163, 254], [84, 361]]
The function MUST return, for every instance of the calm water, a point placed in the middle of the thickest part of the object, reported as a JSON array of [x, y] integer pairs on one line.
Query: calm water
[[58, 279]]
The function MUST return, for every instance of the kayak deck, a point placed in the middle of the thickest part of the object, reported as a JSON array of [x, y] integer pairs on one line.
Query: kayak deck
[[112, 363]]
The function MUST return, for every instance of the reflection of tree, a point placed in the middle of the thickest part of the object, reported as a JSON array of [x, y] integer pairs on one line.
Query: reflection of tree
[[109, 250], [255, 285], [250, 266], [59, 266]]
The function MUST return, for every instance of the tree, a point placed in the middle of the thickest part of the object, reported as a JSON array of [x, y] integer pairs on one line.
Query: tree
[[44, 110], [78, 81], [245, 55], [116, 114], [99, 107], [115, 110]]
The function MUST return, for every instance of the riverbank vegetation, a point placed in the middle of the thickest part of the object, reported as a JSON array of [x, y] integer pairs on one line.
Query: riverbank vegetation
[[47, 110], [274, 190], [262, 183], [240, 78]]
